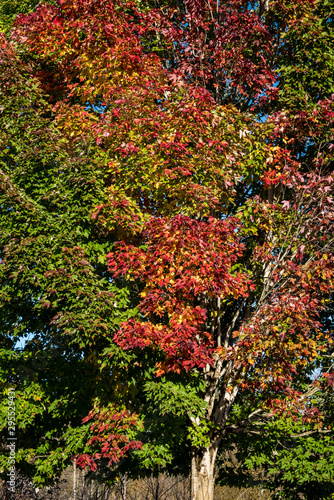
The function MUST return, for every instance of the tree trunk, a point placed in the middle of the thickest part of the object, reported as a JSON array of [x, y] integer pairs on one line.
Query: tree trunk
[[203, 474], [124, 484], [74, 479]]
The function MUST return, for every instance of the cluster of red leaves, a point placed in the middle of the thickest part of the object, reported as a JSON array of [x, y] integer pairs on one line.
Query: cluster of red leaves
[[68, 37], [221, 46], [110, 429], [311, 123], [285, 333], [178, 148], [159, 137], [184, 265], [329, 377]]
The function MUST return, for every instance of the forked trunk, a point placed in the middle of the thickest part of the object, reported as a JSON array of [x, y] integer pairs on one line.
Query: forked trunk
[[203, 474]]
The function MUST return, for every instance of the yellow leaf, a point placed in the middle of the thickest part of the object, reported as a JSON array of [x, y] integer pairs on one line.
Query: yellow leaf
[[251, 361]]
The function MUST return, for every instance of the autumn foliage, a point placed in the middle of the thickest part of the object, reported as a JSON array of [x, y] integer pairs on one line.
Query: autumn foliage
[[215, 209], [110, 438]]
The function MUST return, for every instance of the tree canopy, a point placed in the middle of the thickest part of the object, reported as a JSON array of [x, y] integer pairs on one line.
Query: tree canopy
[[166, 237]]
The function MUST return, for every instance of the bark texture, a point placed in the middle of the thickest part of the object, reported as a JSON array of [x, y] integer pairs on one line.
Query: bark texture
[[203, 474]]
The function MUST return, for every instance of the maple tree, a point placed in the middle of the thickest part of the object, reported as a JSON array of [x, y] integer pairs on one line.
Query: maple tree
[[207, 162], [52, 254]]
